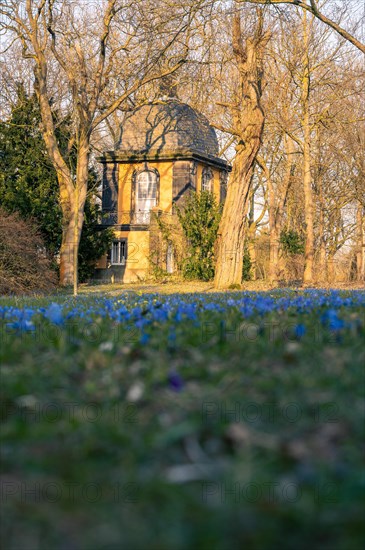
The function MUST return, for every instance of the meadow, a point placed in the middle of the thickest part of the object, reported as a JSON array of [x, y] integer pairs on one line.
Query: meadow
[[183, 420]]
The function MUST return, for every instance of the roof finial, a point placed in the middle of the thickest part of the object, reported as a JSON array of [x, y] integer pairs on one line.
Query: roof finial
[[168, 88]]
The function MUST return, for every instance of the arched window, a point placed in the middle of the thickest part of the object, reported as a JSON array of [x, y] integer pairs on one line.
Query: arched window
[[207, 180], [146, 183]]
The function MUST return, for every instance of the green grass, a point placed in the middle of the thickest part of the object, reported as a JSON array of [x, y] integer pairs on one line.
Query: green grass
[[262, 448]]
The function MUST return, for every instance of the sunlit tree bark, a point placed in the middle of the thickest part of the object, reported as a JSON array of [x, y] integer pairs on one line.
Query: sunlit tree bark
[[248, 124]]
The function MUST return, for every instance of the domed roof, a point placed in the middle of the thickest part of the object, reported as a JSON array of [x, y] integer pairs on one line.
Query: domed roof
[[167, 127]]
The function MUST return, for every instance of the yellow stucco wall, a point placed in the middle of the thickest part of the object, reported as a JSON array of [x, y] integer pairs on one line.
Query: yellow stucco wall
[[165, 170], [137, 263], [125, 187], [137, 255], [124, 192], [138, 241], [217, 184]]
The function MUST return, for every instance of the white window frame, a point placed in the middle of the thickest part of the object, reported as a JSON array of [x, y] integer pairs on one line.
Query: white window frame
[[118, 255]]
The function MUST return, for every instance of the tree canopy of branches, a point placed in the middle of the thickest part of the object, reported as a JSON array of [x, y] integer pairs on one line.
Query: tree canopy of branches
[[313, 7]]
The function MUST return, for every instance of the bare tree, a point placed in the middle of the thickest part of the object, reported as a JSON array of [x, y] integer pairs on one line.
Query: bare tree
[[277, 197], [308, 98], [102, 52]]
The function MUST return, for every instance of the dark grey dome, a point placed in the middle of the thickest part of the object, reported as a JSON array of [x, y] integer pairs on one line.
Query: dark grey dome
[[167, 127]]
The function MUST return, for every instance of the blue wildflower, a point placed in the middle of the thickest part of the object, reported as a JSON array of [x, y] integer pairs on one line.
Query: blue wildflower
[[54, 314], [23, 325], [176, 383], [145, 338], [330, 318], [300, 330]]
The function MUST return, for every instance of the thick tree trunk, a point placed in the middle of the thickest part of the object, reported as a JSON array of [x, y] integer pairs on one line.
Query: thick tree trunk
[[230, 242], [73, 219], [69, 247], [249, 121], [67, 256]]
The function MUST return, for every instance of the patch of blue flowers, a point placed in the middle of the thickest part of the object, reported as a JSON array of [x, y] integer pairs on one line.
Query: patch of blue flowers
[[147, 310]]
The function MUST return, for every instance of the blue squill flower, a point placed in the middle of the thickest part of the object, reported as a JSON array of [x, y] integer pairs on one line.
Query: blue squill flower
[[176, 383], [331, 319], [23, 325], [54, 314], [300, 330], [145, 338]]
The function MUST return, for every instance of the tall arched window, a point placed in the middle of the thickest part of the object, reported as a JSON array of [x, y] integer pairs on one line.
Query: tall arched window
[[207, 180], [145, 195]]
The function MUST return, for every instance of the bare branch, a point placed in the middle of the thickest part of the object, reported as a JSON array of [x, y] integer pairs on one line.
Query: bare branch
[[314, 10]]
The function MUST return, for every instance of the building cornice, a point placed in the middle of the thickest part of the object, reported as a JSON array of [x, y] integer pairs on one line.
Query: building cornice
[[132, 157]]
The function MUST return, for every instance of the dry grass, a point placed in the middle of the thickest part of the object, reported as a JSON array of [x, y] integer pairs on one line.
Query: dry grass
[[187, 287]]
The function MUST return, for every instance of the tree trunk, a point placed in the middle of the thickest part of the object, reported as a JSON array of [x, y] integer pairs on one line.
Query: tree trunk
[[331, 273], [321, 263], [273, 233], [253, 259], [69, 247], [308, 208], [82, 173], [230, 242], [274, 256], [73, 219], [67, 252], [251, 234], [277, 201], [307, 177], [249, 121], [63, 172], [360, 254]]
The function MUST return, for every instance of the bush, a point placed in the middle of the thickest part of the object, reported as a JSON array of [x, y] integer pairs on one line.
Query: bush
[[24, 265], [199, 219], [292, 242]]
